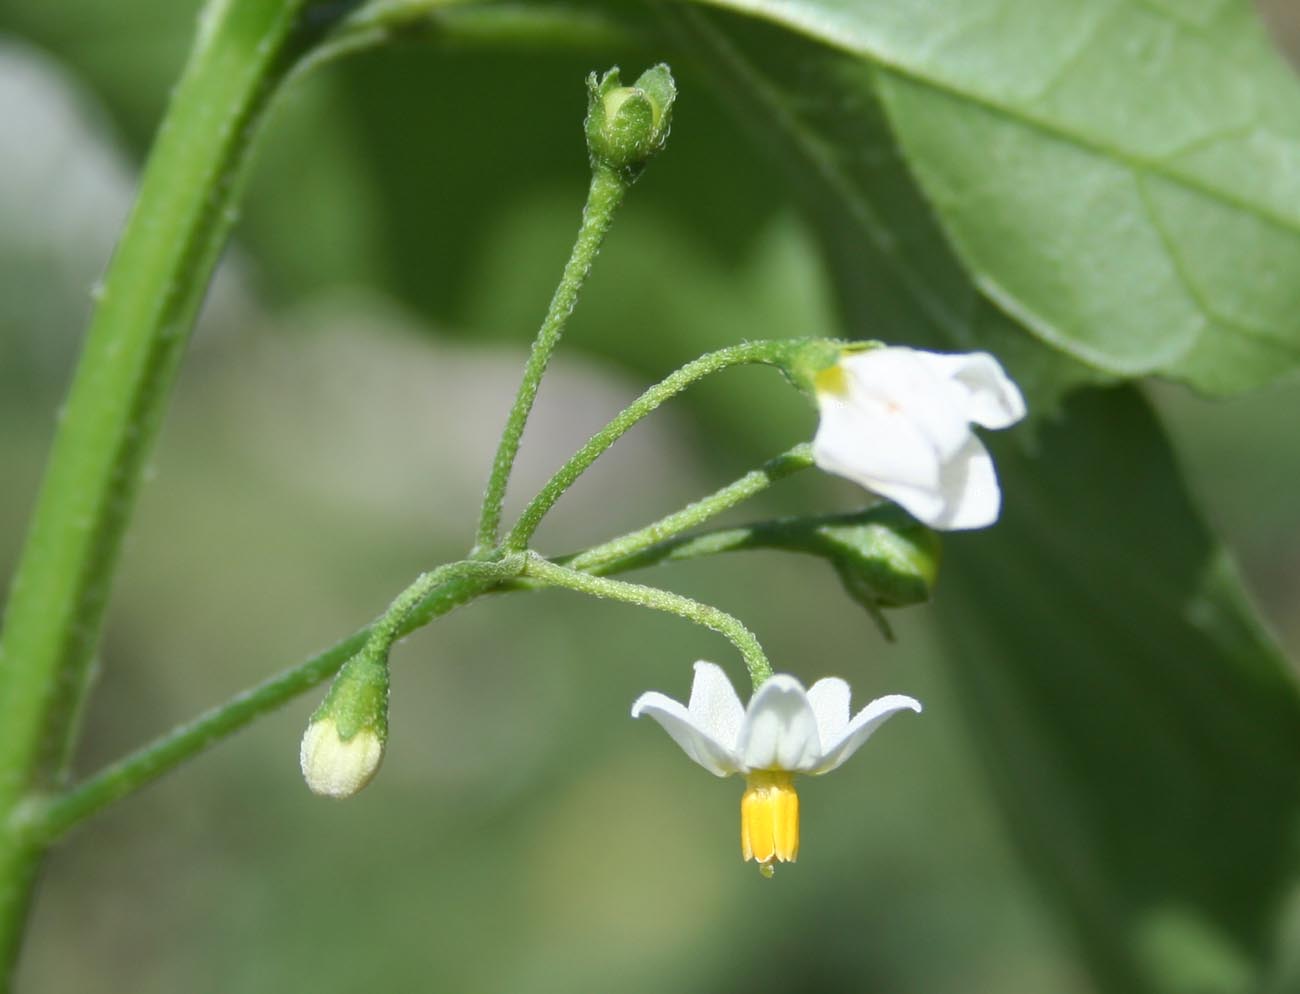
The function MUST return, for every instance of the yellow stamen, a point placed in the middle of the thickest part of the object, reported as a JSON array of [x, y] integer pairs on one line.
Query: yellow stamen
[[769, 820], [832, 380]]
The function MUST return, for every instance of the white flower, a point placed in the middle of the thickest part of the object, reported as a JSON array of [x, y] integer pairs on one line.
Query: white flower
[[897, 421], [784, 731], [336, 768]]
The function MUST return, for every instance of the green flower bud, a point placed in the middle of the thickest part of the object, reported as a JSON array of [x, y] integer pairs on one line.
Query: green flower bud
[[627, 125], [884, 558], [344, 742], [889, 556]]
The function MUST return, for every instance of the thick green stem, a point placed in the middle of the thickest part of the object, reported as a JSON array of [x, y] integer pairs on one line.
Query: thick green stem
[[552, 575], [151, 293], [737, 355], [605, 194], [453, 24]]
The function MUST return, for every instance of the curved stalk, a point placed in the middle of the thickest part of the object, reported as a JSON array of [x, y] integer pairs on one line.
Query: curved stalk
[[729, 627], [747, 353], [608, 187]]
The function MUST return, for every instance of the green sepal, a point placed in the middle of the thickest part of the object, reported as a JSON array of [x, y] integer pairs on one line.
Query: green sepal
[[889, 554], [883, 557], [627, 125], [358, 698], [802, 361]]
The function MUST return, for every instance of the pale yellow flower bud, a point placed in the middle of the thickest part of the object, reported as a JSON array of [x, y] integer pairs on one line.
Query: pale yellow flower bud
[[333, 767]]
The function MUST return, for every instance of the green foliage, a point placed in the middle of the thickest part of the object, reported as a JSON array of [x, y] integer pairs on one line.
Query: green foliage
[[1094, 192], [1140, 726], [1103, 644], [1076, 155]]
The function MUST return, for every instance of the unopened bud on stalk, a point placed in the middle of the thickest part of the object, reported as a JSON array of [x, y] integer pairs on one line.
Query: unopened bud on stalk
[[891, 557], [344, 742], [627, 125], [888, 559]]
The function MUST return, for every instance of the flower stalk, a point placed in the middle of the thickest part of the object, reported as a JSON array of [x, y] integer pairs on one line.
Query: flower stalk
[[604, 196], [724, 624], [748, 353], [695, 513]]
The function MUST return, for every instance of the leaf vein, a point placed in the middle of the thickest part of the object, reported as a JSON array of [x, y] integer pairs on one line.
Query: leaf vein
[[828, 32]]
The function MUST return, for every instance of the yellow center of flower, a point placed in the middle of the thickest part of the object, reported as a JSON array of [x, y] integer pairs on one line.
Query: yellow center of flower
[[769, 820], [832, 380]]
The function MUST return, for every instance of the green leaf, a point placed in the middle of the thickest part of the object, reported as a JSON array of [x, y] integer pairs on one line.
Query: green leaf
[[896, 275], [1140, 729], [1121, 177], [1140, 726]]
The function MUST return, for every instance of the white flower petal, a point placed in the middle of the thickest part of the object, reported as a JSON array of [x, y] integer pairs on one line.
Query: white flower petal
[[714, 706], [969, 489], [695, 741], [860, 728], [926, 505], [780, 728], [829, 698], [992, 398], [334, 768], [873, 446], [910, 387], [897, 422]]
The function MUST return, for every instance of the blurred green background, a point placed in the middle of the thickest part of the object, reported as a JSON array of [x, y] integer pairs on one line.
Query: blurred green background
[[408, 215]]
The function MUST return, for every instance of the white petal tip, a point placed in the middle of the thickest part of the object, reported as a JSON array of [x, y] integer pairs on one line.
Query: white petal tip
[[897, 702]]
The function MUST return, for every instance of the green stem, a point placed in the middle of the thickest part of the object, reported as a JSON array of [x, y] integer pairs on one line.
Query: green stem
[[771, 352], [433, 595], [605, 194], [153, 288], [695, 514], [413, 602], [552, 575], [792, 534], [46, 819], [430, 596], [496, 26]]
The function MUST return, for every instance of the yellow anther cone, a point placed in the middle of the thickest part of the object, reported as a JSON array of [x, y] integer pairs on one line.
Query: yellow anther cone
[[769, 820]]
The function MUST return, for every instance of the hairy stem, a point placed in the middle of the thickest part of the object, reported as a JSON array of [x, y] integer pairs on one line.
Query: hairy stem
[[439, 592], [605, 194], [695, 514], [706, 365], [553, 575], [433, 595]]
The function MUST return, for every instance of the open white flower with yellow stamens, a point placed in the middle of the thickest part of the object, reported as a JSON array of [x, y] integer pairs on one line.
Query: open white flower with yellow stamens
[[897, 421], [784, 731]]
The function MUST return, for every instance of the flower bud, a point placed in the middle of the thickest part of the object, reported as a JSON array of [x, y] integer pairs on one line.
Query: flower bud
[[884, 558], [884, 554], [344, 742], [627, 125]]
